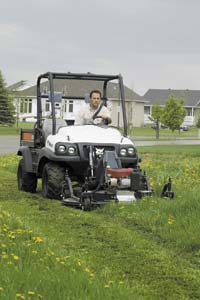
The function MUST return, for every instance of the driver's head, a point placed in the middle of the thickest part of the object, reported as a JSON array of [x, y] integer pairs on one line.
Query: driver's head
[[95, 98]]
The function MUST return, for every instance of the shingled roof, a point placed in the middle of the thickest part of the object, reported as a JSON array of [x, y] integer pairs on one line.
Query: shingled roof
[[159, 96], [80, 88], [19, 86]]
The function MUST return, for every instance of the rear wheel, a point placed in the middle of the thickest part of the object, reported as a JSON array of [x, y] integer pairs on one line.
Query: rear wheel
[[26, 181], [53, 177]]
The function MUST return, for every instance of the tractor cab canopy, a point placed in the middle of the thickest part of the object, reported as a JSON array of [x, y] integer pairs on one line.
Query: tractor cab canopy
[[53, 88]]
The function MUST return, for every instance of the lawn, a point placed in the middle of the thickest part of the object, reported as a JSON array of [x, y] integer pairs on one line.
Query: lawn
[[15, 129], [147, 250], [136, 133], [166, 133]]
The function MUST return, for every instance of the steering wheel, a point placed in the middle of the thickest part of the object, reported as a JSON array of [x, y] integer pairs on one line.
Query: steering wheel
[[103, 121]]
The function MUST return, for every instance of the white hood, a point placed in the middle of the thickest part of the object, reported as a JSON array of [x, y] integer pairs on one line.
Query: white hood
[[90, 134]]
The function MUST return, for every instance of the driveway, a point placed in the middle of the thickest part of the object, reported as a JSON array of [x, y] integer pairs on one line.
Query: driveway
[[10, 143]]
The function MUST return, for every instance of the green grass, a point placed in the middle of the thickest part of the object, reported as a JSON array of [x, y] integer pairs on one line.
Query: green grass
[[147, 250], [146, 132], [149, 132], [15, 129]]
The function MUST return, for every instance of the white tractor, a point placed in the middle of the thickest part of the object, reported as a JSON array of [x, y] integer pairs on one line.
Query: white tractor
[[82, 165]]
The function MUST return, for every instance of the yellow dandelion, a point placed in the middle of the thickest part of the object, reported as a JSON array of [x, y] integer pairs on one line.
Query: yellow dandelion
[[1, 289], [37, 239], [15, 257], [31, 293], [171, 220], [20, 296], [66, 257], [87, 270]]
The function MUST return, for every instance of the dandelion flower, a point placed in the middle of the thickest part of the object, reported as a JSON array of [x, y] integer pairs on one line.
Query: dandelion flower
[[37, 239], [20, 296], [31, 293]]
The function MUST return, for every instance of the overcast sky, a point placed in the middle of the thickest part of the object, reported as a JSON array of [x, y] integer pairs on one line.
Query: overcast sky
[[152, 43]]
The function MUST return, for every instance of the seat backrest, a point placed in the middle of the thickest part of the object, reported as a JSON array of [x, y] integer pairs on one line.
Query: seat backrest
[[47, 126]]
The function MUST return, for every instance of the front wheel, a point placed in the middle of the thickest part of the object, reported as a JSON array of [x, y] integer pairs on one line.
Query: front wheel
[[53, 177], [26, 181]]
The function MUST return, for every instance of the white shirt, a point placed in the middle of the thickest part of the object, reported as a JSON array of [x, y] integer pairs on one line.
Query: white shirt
[[85, 115]]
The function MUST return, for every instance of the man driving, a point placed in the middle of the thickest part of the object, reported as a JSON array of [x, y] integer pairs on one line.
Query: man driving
[[94, 113]]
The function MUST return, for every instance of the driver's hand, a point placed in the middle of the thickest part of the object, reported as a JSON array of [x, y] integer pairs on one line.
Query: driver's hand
[[98, 120]]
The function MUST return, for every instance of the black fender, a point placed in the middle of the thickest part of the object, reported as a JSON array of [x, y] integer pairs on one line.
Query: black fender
[[47, 154], [25, 152]]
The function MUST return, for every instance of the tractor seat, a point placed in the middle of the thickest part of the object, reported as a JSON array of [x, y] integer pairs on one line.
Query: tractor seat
[[47, 126], [119, 173]]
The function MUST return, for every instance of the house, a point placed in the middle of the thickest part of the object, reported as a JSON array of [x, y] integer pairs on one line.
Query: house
[[159, 97], [24, 99]]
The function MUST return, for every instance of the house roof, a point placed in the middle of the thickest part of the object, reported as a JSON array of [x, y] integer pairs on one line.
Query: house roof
[[19, 86], [80, 88], [159, 96]]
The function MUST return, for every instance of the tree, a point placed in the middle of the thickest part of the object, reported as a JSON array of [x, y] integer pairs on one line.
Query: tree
[[173, 113], [7, 110], [156, 116]]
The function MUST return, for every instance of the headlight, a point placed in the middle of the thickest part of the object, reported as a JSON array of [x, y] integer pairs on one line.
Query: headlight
[[131, 151], [71, 150], [123, 152], [66, 149], [61, 148]]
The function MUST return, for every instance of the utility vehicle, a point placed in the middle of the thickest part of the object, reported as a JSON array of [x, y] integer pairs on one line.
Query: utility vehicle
[[82, 165]]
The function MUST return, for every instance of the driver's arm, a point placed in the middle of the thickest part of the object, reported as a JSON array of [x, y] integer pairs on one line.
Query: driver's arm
[[105, 114]]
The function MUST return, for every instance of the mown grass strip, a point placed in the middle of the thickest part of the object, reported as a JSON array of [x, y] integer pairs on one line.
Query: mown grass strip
[[144, 246]]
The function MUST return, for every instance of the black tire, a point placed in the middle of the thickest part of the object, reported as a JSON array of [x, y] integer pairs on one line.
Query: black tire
[[26, 181], [53, 177]]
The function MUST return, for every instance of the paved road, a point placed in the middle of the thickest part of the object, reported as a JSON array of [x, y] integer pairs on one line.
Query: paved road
[[10, 143]]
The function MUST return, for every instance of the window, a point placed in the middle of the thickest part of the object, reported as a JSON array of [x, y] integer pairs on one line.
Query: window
[[189, 111], [71, 104], [47, 106], [147, 110], [26, 105]]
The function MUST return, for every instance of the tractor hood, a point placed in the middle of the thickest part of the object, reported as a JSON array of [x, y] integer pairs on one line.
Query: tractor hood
[[89, 134]]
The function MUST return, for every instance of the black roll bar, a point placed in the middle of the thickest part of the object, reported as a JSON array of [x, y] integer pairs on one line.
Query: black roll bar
[[76, 76]]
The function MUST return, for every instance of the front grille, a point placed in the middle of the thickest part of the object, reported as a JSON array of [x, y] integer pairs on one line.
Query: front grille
[[99, 149]]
